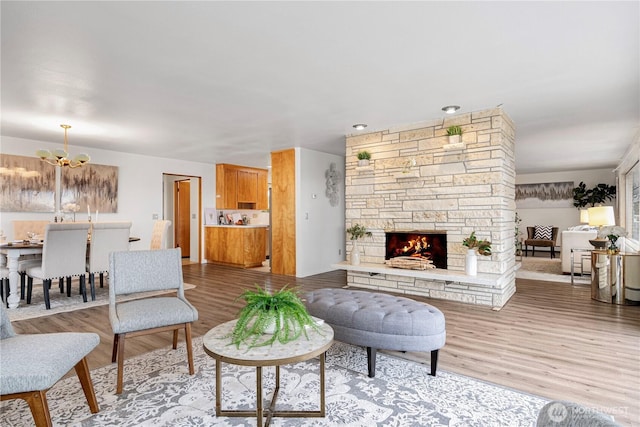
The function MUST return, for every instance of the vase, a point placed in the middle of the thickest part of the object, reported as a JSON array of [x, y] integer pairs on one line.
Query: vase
[[454, 139], [471, 266], [363, 162], [355, 253], [270, 328]]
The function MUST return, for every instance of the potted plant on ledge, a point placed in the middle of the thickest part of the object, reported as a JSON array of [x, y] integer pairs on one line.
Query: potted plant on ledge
[[363, 158], [268, 317], [455, 134], [356, 232], [475, 247]]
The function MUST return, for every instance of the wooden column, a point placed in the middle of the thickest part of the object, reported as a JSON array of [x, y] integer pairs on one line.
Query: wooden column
[[283, 212]]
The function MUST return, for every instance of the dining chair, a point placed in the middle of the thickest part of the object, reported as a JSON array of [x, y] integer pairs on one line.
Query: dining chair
[[160, 234], [33, 363], [22, 230], [64, 255], [4, 284], [106, 237], [133, 272]]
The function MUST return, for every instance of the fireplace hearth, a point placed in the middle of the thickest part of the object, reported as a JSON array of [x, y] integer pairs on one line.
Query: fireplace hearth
[[418, 243]]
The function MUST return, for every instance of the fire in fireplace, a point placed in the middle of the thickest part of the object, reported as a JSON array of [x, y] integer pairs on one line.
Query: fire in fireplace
[[426, 244]]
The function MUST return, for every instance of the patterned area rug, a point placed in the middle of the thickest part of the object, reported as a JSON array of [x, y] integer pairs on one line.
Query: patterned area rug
[[60, 303], [159, 392], [547, 270]]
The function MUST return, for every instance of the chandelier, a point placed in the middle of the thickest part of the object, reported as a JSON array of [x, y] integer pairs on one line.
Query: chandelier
[[59, 157]]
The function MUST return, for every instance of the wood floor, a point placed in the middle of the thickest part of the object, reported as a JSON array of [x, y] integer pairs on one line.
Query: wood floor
[[550, 339]]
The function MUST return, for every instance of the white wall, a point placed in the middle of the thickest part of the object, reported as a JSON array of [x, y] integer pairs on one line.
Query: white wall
[[320, 235], [140, 185], [560, 217]]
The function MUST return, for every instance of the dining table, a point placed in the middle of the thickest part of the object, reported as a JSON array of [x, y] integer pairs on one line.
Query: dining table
[[14, 250]]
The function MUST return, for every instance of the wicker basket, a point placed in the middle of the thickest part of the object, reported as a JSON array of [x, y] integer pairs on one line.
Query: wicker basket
[[410, 263]]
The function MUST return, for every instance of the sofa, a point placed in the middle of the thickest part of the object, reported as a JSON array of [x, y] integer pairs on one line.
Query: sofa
[[576, 239]]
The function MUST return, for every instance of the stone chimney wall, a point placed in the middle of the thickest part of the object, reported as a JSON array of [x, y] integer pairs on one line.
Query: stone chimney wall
[[417, 181]]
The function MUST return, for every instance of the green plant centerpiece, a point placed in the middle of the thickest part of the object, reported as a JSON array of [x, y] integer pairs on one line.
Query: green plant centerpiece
[[483, 247], [263, 309]]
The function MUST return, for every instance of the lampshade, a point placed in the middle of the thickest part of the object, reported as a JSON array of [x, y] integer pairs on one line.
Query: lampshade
[[601, 215], [584, 216]]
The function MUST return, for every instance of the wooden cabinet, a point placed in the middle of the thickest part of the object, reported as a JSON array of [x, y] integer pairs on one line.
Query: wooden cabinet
[[247, 186], [241, 187], [236, 246]]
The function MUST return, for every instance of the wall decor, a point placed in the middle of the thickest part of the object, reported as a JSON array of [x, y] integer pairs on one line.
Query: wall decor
[[545, 195], [332, 176], [26, 184], [91, 186]]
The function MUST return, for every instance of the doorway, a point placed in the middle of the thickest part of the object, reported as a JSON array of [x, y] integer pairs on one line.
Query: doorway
[[182, 215], [182, 200]]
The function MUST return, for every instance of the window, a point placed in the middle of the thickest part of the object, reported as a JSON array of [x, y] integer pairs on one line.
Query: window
[[632, 197]]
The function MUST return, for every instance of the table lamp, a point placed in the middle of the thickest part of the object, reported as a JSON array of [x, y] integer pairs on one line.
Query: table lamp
[[584, 216], [600, 216]]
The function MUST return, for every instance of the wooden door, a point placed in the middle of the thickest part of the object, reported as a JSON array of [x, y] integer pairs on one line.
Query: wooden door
[[182, 216]]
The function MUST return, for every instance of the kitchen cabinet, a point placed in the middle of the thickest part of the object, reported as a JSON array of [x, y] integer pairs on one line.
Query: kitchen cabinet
[[241, 187], [235, 245]]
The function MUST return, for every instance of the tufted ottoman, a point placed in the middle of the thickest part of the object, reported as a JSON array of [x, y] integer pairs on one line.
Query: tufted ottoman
[[379, 321]]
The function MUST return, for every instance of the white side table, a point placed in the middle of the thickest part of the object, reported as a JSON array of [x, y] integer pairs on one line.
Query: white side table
[[217, 344]]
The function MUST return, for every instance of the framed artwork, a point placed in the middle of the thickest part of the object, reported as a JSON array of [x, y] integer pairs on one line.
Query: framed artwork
[[545, 195], [28, 184], [93, 186]]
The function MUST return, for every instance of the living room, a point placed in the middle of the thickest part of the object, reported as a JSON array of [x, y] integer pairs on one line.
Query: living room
[[572, 98]]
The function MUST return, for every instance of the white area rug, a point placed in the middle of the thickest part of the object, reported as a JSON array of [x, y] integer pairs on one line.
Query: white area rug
[[60, 303], [547, 270], [158, 391]]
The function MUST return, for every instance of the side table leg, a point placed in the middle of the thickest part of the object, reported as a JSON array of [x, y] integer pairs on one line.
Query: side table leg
[[259, 395], [218, 387], [322, 404]]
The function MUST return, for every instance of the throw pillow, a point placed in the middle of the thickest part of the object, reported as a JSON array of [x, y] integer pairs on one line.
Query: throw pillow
[[543, 232]]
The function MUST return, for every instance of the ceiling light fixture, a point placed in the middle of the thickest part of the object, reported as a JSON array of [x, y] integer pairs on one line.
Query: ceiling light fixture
[[359, 126], [59, 157], [450, 109]]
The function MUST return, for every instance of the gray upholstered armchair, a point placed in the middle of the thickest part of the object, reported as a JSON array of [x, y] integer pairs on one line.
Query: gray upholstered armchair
[[33, 363], [144, 271]]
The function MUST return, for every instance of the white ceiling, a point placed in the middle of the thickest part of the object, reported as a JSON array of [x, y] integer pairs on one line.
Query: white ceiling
[[232, 81]]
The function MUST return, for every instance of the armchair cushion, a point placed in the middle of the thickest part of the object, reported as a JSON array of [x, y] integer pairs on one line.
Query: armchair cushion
[[543, 232], [159, 311], [26, 367]]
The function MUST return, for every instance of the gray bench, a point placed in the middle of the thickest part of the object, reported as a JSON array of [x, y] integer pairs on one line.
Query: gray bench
[[379, 321]]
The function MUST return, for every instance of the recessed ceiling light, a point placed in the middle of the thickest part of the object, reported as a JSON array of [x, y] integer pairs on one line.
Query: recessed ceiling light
[[450, 109], [359, 126]]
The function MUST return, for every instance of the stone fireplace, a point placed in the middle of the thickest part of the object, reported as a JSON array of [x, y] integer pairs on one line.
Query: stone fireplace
[[416, 180], [422, 244]]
